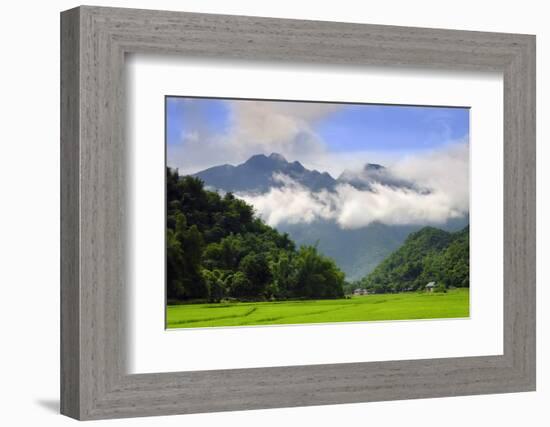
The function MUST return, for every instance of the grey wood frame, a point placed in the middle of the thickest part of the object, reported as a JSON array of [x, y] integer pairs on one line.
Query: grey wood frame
[[94, 41]]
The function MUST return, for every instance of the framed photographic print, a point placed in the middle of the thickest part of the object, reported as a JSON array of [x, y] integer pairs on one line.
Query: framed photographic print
[[267, 241], [262, 213]]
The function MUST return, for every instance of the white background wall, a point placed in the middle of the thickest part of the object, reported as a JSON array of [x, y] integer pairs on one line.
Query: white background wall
[[29, 213]]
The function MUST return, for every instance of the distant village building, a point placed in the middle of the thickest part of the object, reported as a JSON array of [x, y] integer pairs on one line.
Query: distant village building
[[430, 287], [360, 291]]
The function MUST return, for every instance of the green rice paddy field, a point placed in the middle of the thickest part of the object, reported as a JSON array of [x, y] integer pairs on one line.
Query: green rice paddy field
[[403, 306]]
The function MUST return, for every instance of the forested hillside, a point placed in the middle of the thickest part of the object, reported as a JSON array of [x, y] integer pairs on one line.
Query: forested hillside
[[428, 255], [217, 248], [356, 250]]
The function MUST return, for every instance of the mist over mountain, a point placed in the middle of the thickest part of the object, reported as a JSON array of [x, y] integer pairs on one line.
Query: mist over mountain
[[372, 174], [260, 173], [357, 219]]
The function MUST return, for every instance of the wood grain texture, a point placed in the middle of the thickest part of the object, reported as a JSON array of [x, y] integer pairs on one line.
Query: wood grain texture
[[70, 220], [94, 271]]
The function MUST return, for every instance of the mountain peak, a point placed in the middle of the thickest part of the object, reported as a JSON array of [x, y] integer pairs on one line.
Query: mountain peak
[[256, 175], [373, 167], [261, 160], [278, 157], [297, 166], [257, 157]]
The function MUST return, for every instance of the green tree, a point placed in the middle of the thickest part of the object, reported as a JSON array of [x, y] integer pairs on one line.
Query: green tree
[[216, 285], [175, 267], [239, 285], [284, 277], [256, 270], [317, 276], [429, 255], [216, 247]]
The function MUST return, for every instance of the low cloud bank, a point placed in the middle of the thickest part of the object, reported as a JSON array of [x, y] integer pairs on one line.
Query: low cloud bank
[[438, 191]]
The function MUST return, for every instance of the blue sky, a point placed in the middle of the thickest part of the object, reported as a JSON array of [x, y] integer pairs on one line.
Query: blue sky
[[203, 132], [382, 127], [186, 115]]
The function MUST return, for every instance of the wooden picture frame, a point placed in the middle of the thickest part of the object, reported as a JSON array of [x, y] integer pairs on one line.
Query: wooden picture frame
[[94, 382]]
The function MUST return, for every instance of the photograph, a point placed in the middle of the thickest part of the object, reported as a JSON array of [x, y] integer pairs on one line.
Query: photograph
[[284, 212], [276, 213]]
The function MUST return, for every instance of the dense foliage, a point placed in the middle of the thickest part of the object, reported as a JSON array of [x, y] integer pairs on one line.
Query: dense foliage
[[217, 248], [428, 255]]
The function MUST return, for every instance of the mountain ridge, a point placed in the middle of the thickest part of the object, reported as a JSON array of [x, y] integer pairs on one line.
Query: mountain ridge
[[256, 175], [358, 251]]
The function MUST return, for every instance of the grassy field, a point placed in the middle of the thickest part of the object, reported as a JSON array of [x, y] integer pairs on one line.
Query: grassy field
[[402, 306]]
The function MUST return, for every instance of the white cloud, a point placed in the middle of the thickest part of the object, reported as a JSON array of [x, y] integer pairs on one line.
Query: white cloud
[[256, 127], [444, 173], [288, 128], [292, 203], [445, 170]]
